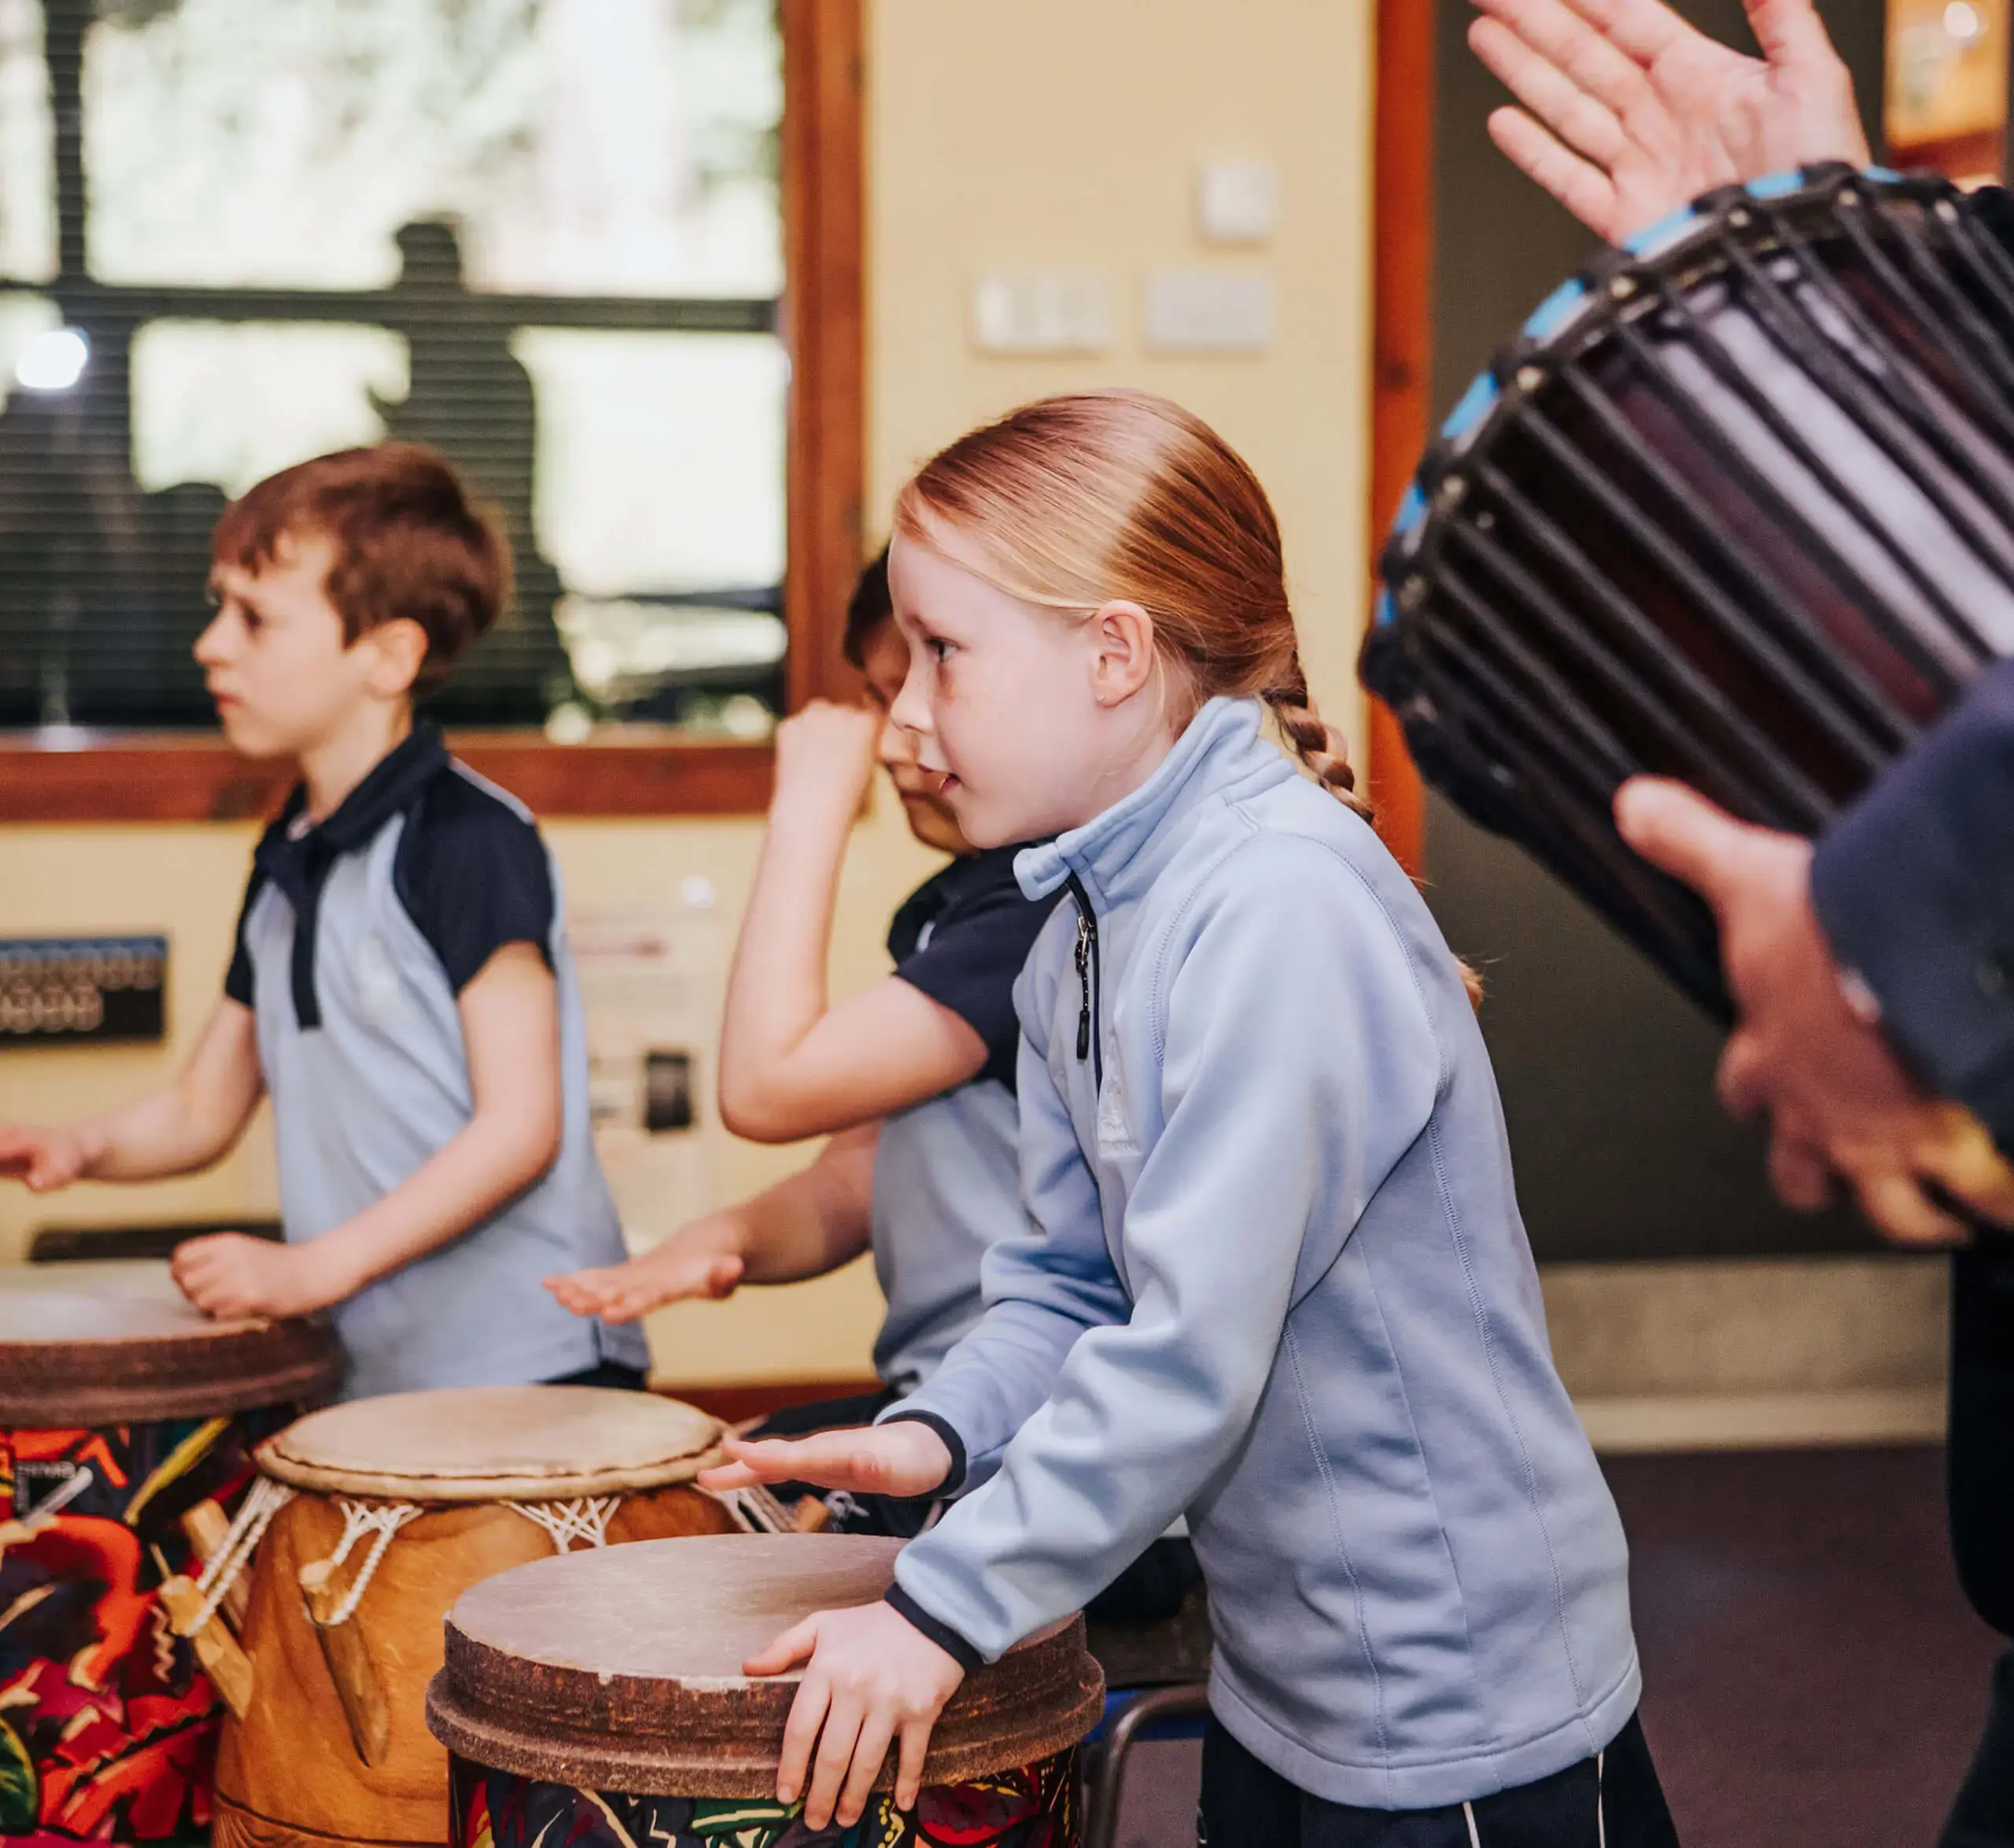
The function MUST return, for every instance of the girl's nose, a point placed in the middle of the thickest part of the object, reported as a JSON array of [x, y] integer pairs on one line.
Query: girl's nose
[[911, 711]]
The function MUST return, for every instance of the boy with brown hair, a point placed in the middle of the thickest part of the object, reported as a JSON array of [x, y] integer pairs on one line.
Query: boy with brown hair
[[401, 986]]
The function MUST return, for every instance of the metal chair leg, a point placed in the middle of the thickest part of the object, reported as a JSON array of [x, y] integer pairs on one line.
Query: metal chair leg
[[1107, 1779]]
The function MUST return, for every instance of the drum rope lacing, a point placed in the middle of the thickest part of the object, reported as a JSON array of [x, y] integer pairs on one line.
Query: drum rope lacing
[[263, 1500], [565, 1522], [381, 1519]]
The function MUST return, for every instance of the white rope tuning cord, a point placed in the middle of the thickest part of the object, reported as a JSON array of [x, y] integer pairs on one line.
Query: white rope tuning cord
[[263, 1500], [585, 1520], [381, 1519], [755, 1510]]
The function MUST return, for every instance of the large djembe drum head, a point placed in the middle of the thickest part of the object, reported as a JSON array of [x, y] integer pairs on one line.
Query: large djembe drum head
[[601, 1696], [1735, 505], [101, 1344], [375, 1516], [128, 1420]]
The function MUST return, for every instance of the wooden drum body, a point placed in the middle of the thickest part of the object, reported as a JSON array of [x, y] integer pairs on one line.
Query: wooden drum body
[[128, 1420], [598, 1703], [415, 1498]]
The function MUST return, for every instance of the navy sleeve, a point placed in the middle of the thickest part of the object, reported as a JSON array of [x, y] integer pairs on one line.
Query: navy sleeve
[[472, 873], [1914, 887], [968, 965], [237, 983]]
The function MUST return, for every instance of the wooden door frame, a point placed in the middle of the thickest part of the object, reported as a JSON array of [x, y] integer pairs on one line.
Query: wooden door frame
[[1401, 352]]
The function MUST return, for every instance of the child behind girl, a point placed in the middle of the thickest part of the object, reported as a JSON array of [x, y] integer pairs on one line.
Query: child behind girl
[[1274, 1276]]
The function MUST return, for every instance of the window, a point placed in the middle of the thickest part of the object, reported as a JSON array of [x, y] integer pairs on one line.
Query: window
[[551, 238]]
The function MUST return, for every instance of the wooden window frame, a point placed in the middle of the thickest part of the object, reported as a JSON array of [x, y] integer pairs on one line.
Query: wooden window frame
[[1401, 376], [196, 776]]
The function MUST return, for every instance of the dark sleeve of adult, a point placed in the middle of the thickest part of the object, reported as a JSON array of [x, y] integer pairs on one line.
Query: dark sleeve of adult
[[1914, 886], [970, 963], [472, 873]]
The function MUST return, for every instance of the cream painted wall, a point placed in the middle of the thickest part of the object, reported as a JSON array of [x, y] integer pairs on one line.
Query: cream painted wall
[[1055, 133]]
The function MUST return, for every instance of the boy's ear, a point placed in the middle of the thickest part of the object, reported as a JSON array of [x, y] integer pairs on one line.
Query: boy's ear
[[1123, 636], [400, 648]]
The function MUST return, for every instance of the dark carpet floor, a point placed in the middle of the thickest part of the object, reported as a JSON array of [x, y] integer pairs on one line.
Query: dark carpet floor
[[1812, 1677]]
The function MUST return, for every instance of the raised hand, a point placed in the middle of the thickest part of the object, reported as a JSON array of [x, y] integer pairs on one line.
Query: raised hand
[[44, 1160], [825, 757], [903, 1458], [1629, 112], [1838, 1100], [871, 1680], [670, 1273]]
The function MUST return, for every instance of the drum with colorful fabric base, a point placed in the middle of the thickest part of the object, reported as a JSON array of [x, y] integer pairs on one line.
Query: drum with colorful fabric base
[[370, 1520], [127, 1419], [1736, 506], [599, 1703]]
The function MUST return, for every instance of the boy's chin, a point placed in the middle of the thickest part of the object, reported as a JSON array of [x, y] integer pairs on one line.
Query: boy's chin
[[248, 737]]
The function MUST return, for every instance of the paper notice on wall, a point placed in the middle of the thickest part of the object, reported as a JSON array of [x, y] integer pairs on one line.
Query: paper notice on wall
[[651, 982]]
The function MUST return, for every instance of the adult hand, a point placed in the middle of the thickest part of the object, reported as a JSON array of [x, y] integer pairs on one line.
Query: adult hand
[[45, 1160], [674, 1272], [903, 1459], [825, 758], [228, 1274], [1630, 112], [1806, 1052], [872, 1680]]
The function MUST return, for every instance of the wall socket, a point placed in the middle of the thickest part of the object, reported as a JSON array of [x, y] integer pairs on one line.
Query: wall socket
[[56, 991], [1022, 311]]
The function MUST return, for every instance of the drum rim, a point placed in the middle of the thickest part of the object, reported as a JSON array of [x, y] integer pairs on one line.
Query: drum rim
[[238, 1367], [438, 1484], [701, 1736]]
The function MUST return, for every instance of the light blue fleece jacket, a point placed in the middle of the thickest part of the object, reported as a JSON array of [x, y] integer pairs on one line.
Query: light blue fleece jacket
[[1274, 1278]]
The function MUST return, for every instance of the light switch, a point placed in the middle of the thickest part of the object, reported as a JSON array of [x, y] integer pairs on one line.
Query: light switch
[[1237, 202], [1043, 312], [1200, 313]]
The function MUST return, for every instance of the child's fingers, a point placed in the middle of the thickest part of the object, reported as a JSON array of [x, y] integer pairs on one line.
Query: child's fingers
[[723, 1476], [807, 1714], [915, 1747], [876, 1731], [793, 1647], [841, 1732]]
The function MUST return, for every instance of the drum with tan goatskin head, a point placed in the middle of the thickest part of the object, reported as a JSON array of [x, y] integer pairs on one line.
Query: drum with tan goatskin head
[[127, 1422], [371, 1518], [600, 1701]]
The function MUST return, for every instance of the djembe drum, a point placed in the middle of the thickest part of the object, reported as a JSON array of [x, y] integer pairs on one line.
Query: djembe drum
[[370, 1519], [1736, 507], [599, 1702], [127, 1419]]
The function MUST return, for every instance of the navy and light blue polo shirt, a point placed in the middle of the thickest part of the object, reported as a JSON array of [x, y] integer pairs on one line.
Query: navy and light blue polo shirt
[[356, 939], [947, 1172]]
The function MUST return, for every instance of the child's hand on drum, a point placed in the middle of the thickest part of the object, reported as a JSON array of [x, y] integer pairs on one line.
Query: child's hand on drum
[[903, 1458], [872, 1679], [669, 1274], [228, 1275]]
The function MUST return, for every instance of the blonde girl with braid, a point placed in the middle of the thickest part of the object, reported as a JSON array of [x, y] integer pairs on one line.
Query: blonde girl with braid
[[1274, 1278]]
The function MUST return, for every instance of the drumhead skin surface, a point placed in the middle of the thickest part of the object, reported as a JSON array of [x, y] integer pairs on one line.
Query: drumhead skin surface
[[88, 1343], [482, 1444], [621, 1670]]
